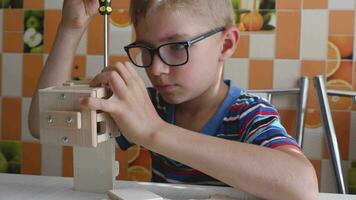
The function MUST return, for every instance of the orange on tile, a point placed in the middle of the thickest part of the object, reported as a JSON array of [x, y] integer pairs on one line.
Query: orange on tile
[[67, 161], [139, 173], [120, 18], [252, 21], [341, 22], [243, 47], [0, 78], [334, 59], [337, 102], [121, 156], [32, 67], [287, 36], [13, 42], [344, 72], [13, 19], [132, 153], [11, 119], [312, 118], [344, 44], [31, 158], [261, 74]]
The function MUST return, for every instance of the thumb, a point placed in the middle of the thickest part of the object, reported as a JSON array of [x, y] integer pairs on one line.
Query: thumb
[[92, 103]]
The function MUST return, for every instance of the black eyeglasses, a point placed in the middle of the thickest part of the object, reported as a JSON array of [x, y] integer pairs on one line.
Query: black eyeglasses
[[172, 54]]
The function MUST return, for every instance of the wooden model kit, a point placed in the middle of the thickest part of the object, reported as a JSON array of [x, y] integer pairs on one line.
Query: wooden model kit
[[91, 133]]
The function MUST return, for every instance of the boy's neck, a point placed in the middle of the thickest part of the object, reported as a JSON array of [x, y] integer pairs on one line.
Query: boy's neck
[[209, 100]]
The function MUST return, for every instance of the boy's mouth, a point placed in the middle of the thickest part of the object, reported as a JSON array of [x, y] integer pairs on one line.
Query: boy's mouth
[[165, 88]]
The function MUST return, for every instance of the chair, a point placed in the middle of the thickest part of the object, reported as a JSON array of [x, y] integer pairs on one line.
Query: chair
[[302, 91], [325, 111]]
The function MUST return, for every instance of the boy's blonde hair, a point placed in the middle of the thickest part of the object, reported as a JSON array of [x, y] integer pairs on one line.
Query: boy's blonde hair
[[213, 13]]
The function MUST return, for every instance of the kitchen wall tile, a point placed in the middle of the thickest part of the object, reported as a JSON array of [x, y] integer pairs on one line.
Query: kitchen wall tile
[[50, 4], [94, 65], [51, 21], [289, 4], [311, 69], [11, 119], [119, 37], [342, 122], [96, 36], [314, 34], [352, 146], [121, 156], [82, 47], [262, 45], [12, 75], [341, 22], [13, 19], [123, 4], [313, 143], [328, 182], [1, 30], [0, 118], [13, 42], [286, 74], [317, 166], [342, 4], [25, 132], [243, 47], [237, 70], [34, 4], [288, 119], [67, 161], [79, 67], [51, 163], [31, 158], [32, 67], [261, 74], [288, 37], [315, 4]]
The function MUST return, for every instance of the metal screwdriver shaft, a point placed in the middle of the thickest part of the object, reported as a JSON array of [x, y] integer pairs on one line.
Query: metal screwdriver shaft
[[105, 10]]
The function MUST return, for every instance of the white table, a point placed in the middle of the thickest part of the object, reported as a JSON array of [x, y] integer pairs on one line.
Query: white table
[[19, 187]]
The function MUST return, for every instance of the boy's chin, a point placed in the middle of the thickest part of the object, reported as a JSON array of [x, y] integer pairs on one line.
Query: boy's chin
[[172, 99]]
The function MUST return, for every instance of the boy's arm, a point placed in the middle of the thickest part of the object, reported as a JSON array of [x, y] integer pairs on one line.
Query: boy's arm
[[76, 15], [280, 173]]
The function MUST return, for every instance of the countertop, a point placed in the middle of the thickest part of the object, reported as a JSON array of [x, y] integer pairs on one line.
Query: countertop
[[29, 187]]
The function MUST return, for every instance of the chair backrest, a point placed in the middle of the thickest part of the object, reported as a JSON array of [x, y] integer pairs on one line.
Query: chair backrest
[[328, 123], [302, 91]]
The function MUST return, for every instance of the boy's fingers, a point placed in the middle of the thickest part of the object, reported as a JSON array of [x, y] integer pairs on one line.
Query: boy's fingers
[[111, 78], [124, 73], [92, 103]]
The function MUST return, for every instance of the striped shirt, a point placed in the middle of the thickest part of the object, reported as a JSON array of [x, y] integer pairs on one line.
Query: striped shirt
[[242, 117]]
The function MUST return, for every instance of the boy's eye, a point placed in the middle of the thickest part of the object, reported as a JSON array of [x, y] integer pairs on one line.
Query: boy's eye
[[176, 47]]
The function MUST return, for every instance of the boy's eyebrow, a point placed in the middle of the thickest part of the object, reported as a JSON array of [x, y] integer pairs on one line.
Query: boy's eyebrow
[[172, 38]]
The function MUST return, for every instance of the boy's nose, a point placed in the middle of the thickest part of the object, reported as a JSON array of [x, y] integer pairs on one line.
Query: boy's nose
[[158, 67]]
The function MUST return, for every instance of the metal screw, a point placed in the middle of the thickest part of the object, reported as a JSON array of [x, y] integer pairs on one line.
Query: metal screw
[[62, 96], [65, 139], [50, 119], [69, 120]]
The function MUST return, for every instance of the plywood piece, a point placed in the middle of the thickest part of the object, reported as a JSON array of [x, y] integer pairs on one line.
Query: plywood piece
[[63, 119], [133, 194], [95, 169]]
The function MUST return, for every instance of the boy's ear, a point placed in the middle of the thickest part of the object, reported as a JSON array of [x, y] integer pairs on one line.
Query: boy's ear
[[230, 38]]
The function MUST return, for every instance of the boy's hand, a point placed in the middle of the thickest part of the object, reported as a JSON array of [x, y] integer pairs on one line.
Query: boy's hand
[[77, 13], [129, 106]]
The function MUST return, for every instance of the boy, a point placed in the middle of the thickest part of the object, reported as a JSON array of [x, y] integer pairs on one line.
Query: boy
[[200, 129]]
